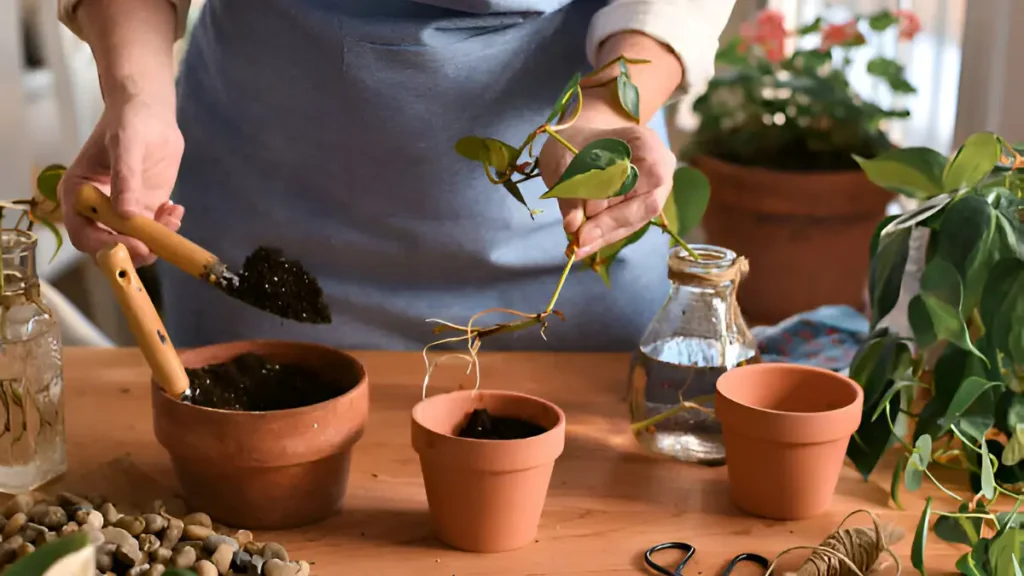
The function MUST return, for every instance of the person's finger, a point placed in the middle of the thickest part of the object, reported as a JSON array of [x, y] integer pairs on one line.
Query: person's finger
[[592, 208], [170, 215], [572, 214], [616, 223]]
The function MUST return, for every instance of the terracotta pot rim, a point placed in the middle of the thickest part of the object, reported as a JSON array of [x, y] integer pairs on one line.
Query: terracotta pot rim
[[255, 345], [834, 377], [763, 169], [558, 428]]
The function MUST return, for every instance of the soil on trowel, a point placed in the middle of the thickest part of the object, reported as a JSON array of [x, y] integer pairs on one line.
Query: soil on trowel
[[249, 383], [275, 284], [483, 426]]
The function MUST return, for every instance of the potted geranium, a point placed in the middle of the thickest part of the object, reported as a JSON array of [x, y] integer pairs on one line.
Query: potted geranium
[[777, 137]]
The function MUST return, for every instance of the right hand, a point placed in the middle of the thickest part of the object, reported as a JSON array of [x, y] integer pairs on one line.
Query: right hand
[[133, 155]]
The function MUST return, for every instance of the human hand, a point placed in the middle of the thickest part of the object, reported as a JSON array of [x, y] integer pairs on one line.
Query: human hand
[[598, 223], [133, 155]]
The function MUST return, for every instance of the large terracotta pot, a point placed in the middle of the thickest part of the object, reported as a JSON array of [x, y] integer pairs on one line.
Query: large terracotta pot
[[267, 470], [806, 234]]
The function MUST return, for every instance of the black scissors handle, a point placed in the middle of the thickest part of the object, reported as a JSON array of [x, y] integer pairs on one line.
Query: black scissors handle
[[649, 560], [746, 557]]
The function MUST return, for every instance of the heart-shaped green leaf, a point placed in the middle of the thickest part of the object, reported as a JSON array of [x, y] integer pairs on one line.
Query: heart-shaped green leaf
[[972, 162], [564, 98], [885, 276], [921, 538], [48, 180], [688, 200], [56, 234], [629, 95], [599, 171], [912, 172], [913, 475], [934, 313], [489, 151], [1002, 307], [960, 530], [965, 241], [968, 391], [1014, 451], [988, 480]]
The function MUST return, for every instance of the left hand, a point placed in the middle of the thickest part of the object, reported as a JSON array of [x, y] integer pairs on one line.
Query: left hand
[[597, 223]]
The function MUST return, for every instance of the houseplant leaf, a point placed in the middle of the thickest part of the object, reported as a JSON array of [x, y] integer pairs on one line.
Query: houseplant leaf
[[911, 218], [44, 557], [921, 538], [489, 151], [563, 98], [988, 481], [875, 367], [688, 200], [913, 172], [975, 159], [601, 261], [513, 189], [934, 313], [964, 240], [885, 276], [960, 530], [878, 233], [629, 95], [48, 180], [593, 185], [1001, 307]]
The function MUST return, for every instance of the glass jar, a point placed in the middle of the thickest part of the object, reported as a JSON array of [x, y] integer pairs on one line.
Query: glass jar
[[32, 440], [698, 334]]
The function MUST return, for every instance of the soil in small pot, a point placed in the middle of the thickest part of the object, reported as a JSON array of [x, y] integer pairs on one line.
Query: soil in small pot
[[283, 287], [482, 425], [250, 383]]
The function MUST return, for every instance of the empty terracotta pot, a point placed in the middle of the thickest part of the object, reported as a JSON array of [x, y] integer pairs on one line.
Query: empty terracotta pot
[[485, 495], [785, 428], [266, 470]]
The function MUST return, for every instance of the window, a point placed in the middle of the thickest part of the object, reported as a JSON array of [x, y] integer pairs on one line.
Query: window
[[932, 62]]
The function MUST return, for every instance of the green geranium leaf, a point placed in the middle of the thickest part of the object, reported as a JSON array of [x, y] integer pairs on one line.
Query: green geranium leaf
[[44, 557], [48, 180], [688, 200], [885, 275], [934, 313], [602, 260], [913, 172], [921, 538], [882, 20], [490, 152], [629, 95], [810, 28], [892, 72], [972, 162]]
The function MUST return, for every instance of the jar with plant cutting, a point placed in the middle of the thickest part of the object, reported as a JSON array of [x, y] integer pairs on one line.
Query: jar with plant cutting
[[966, 353], [698, 334], [32, 437]]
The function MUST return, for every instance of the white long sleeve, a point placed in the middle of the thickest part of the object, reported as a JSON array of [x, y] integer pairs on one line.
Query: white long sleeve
[[690, 27], [66, 14]]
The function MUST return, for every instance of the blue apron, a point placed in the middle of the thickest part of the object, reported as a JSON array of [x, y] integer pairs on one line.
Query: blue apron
[[326, 128]]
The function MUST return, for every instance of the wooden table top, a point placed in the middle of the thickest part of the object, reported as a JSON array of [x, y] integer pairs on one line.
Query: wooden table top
[[608, 501]]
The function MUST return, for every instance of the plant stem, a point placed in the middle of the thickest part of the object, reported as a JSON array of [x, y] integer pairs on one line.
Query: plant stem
[[561, 282], [561, 140], [665, 228]]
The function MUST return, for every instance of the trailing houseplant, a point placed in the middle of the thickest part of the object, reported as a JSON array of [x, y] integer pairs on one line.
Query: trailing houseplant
[[957, 384], [776, 134], [471, 443]]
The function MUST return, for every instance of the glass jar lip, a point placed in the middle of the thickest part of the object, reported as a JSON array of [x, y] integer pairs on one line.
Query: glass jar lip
[[18, 241], [713, 258]]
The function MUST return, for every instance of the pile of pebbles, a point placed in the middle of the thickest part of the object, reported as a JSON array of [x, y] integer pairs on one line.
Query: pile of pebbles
[[144, 545]]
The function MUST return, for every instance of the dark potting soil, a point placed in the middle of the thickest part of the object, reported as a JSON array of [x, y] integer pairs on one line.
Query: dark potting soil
[[483, 426], [275, 284], [249, 383]]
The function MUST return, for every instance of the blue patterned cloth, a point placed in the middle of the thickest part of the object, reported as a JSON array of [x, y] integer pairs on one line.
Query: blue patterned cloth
[[826, 337]]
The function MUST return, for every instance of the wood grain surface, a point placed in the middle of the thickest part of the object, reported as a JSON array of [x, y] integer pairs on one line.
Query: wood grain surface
[[608, 502]]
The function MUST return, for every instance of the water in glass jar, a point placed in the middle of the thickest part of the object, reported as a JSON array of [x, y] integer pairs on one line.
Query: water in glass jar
[[32, 448], [664, 373]]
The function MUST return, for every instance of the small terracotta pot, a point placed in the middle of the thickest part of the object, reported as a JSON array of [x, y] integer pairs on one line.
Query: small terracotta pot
[[485, 495], [807, 234], [266, 470], [786, 428]]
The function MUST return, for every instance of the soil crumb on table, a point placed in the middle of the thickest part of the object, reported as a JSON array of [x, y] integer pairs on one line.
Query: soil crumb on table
[[483, 426], [275, 284], [249, 383]]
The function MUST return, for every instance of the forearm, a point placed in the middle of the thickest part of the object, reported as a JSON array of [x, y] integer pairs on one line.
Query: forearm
[[132, 42], [657, 80]]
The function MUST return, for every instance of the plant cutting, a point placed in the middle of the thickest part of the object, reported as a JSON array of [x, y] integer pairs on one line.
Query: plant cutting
[[487, 456], [965, 358], [776, 135]]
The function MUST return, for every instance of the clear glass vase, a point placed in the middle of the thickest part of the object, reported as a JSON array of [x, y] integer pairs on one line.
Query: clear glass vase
[[698, 334], [32, 436]]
